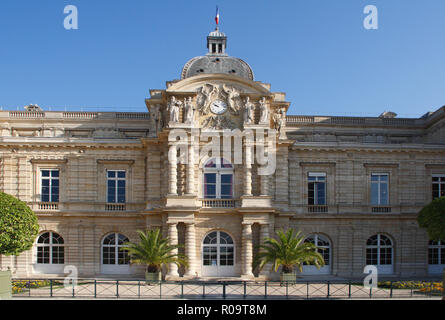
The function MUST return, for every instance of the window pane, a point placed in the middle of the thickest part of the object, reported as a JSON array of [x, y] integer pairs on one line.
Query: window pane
[[45, 173], [121, 174], [311, 193], [210, 191], [55, 173], [374, 193], [383, 194], [226, 190], [111, 174], [226, 178], [321, 196], [210, 178]]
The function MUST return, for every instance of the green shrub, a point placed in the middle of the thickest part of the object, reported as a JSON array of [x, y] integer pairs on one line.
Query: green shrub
[[432, 218], [18, 226]]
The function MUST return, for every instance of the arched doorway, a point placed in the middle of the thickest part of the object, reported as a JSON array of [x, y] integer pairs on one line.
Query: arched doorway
[[324, 248], [379, 252], [218, 255], [114, 260]]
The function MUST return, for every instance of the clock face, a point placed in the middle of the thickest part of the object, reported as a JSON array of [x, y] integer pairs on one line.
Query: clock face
[[218, 107]]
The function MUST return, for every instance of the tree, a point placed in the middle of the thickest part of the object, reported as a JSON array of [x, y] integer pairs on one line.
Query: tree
[[432, 218], [18, 226], [288, 251], [153, 251]]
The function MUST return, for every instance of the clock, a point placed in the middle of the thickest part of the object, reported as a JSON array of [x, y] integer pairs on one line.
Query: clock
[[218, 107]]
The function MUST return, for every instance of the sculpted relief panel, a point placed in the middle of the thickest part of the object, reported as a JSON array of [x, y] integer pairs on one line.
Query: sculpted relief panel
[[214, 105]]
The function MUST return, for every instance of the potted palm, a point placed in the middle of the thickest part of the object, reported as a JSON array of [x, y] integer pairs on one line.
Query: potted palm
[[288, 251], [154, 251]]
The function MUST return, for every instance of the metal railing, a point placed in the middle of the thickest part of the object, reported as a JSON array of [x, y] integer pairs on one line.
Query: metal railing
[[140, 289]]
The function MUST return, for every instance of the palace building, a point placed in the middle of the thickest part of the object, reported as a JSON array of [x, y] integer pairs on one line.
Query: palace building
[[351, 185]]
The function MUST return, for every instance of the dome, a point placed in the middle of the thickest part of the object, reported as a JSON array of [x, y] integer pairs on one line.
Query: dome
[[217, 33], [217, 60], [217, 64]]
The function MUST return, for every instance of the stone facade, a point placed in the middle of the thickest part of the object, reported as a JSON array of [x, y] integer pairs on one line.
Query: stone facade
[[161, 192]]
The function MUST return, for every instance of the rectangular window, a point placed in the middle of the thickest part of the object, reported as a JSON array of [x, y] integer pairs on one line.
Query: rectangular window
[[116, 186], [438, 186], [379, 189], [50, 186], [317, 189]]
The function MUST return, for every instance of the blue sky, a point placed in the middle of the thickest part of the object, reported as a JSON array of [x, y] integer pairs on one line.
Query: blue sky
[[317, 51]]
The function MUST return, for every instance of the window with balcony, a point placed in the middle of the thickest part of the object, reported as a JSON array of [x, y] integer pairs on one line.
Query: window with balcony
[[438, 186], [49, 186], [218, 179], [317, 189], [380, 193], [317, 192], [116, 186]]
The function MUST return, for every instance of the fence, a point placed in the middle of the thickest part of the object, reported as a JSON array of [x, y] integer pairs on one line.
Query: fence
[[139, 289]]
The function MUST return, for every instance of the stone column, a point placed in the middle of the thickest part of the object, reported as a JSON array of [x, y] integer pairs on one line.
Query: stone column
[[190, 249], [172, 171], [173, 237], [191, 170], [264, 233], [247, 251], [248, 172], [264, 185]]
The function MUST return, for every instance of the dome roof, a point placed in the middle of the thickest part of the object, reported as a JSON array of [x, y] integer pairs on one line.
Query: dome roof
[[217, 64], [217, 33], [217, 60]]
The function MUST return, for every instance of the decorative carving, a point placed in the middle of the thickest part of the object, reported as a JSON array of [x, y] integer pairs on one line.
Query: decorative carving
[[107, 133], [173, 109], [264, 111], [279, 119], [218, 123], [33, 108], [209, 93], [249, 108], [232, 96], [156, 121], [189, 110], [206, 96]]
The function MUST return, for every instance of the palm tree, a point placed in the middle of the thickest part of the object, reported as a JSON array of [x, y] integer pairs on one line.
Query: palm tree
[[288, 251], [154, 251]]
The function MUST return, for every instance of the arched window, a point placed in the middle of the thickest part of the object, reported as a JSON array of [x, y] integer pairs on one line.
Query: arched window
[[379, 252], [218, 179], [218, 254], [436, 256], [50, 249], [324, 248], [111, 250]]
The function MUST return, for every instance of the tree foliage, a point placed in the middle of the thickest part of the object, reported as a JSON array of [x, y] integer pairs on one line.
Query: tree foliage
[[18, 226], [432, 218], [289, 251], [154, 251]]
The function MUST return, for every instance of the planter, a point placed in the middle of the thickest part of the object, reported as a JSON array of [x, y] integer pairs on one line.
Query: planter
[[5, 285], [151, 277], [288, 277]]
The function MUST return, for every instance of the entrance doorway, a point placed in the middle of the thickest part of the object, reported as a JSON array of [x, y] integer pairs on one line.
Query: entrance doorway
[[218, 255]]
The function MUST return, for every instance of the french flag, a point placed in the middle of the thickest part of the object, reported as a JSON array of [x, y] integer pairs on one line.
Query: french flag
[[217, 15]]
